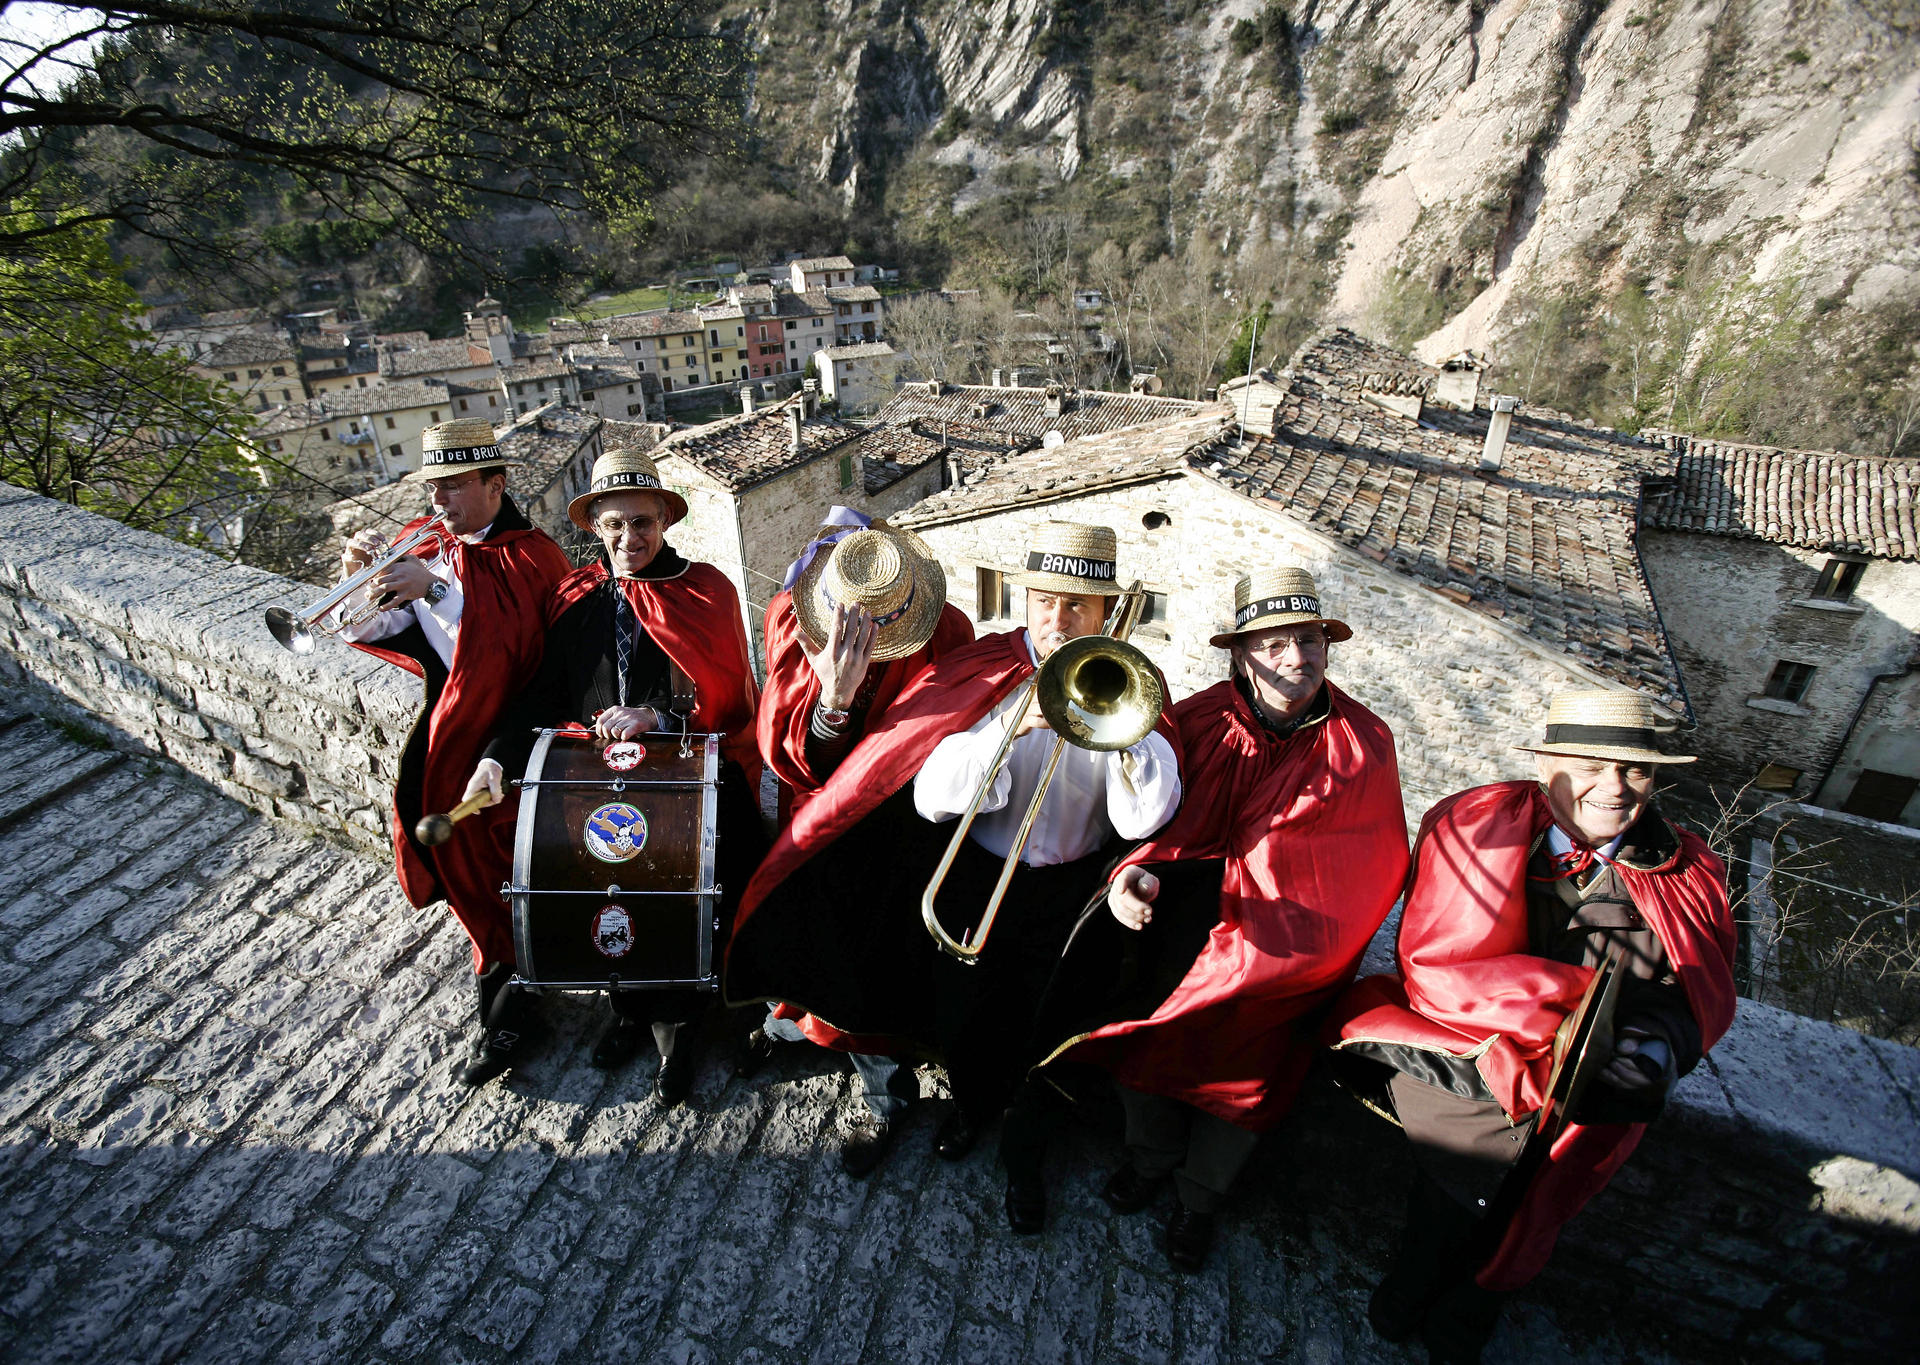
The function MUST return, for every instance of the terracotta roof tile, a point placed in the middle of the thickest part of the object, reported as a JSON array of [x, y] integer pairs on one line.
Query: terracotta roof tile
[[1815, 500], [1022, 412], [750, 448]]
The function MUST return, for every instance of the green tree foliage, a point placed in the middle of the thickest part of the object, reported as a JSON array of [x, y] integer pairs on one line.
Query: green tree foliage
[[406, 119], [91, 412]]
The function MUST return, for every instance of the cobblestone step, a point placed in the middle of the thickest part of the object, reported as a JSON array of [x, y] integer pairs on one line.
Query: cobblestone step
[[229, 1133], [43, 764]]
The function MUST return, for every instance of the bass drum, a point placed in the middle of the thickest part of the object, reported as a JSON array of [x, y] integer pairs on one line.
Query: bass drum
[[613, 880]]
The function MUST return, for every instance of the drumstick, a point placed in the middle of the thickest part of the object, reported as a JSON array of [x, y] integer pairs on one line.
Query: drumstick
[[434, 830]]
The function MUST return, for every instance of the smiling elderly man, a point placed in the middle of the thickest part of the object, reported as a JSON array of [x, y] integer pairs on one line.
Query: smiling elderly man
[[1520, 891], [625, 637]]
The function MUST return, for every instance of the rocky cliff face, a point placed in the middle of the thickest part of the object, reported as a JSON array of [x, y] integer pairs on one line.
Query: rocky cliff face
[[1470, 154]]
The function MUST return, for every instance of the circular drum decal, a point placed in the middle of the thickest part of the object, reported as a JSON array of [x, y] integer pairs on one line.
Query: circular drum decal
[[613, 931], [623, 756], [616, 832]]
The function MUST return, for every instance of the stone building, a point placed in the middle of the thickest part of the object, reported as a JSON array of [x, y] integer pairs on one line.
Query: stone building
[[260, 369], [356, 438], [1477, 582], [819, 272], [536, 383], [857, 377], [1790, 584], [1026, 414]]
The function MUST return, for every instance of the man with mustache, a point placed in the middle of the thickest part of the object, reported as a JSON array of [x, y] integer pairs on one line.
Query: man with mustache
[[1245, 917], [1520, 891], [831, 923]]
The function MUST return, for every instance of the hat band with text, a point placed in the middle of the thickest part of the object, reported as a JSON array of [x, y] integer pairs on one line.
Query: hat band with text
[[1070, 566], [1292, 605], [636, 480], [463, 455], [1615, 736]]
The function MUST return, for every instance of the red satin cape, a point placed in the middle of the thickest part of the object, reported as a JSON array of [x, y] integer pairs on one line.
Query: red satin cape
[[1314, 840], [786, 704], [695, 619], [505, 580], [1469, 987], [943, 699]]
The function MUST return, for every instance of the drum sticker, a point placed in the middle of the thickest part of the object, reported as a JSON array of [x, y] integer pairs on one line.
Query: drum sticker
[[616, 832], [623, 756], [613, 931]]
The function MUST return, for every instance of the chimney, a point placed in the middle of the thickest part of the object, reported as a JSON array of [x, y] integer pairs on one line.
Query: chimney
[[794, 442], [1056, 400], [1498, 421], [810, 397], [746, 398], [997, 379]]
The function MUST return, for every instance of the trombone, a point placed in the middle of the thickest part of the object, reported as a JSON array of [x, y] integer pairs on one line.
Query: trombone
[[296, 630], [1097, 692]]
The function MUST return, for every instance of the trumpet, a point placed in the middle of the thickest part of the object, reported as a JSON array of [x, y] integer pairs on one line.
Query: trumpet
[[296, 630], [1097, 692]]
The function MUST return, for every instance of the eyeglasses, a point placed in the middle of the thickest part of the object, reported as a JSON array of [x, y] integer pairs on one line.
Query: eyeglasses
[[455, 483], [1306, 641], [617, 526]]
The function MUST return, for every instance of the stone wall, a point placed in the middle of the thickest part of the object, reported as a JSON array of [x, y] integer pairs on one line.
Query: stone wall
[[1886, 739], [1457, 689], [1734, 608], [162, 649]]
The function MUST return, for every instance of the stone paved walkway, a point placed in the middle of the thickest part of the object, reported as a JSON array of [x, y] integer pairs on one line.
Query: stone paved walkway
[[228, 1132]]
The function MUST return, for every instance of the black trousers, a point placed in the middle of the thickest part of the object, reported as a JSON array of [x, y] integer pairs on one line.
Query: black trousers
[[985, 1011]]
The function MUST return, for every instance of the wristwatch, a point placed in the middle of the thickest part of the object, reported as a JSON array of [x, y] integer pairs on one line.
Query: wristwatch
[[837, 719], [436, 594]]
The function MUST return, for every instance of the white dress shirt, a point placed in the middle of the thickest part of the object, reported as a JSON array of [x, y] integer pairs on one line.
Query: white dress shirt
[[1091, 799], [438, 621], [1559, 842]]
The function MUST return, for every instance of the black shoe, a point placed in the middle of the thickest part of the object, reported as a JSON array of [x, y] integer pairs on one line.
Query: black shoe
[[1129, 1191], [618, 1043], [1460, 1323], [498, 1050], [1026, 1206], [956, 1136], [674, 1081], [754, 1054], [865, 1145], [1189, 1237]]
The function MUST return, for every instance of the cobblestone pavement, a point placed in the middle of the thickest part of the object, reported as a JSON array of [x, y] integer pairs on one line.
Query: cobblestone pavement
[[229, 1132]]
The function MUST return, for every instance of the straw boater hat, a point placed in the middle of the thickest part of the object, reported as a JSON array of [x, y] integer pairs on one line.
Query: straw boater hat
[[462, 444], [1065, 556], [1599, 722], [1278, 597], [615, 472], [889, 572]]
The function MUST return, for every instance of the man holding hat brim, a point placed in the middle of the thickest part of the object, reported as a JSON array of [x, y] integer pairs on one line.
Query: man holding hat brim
[[625, 636], [831, 923], [464, 614], [1247, 914], [867, 609], [1520, 890]]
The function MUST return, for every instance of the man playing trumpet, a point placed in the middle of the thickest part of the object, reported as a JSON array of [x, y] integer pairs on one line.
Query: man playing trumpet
[[860, 961], [466, 620]]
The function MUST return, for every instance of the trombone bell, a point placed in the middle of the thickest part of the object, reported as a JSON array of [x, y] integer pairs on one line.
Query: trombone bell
[[1100, 693]]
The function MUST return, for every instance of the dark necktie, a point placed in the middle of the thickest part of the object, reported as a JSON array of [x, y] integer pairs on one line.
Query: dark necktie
[[626, 628]]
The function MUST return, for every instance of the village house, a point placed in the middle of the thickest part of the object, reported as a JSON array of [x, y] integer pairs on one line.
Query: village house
[[857, 377], [1028, 414], [331, 363], [535, 383], [807, 324], [1790, 585], [857, 313], [552, 450], [665, 343], [1480, 576], [818, 272], [260, 369], [609, 384], [354, 438], [725, 326]]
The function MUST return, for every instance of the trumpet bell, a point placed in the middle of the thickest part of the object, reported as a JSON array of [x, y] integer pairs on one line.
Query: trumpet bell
[[1100, 693], [290, 630]]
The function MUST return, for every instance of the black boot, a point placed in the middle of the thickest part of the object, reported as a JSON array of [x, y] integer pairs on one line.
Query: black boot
[[1436, 1238], [508, 1029], [679, 1046]]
